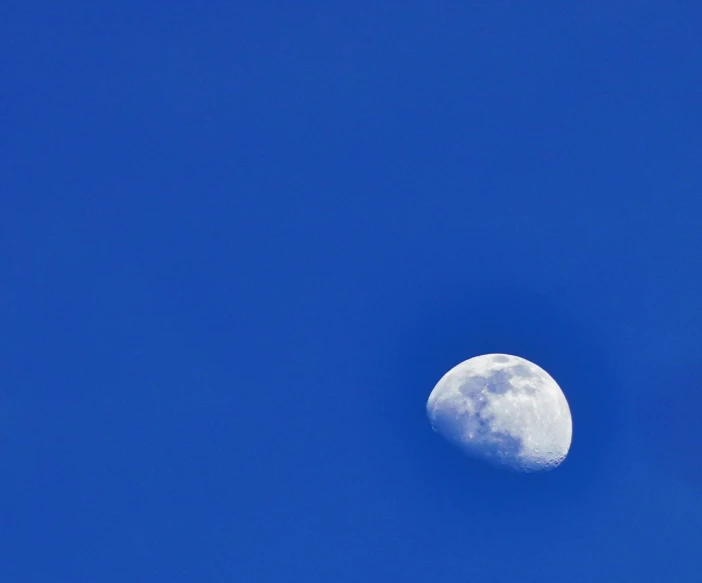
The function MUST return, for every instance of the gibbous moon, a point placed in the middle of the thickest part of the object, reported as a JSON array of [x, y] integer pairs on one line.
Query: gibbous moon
[[504, 410]]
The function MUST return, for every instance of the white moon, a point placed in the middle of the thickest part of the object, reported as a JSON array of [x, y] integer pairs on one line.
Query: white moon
[[505, 410]]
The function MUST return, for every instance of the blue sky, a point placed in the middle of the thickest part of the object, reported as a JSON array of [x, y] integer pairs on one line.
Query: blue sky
[[241, 242]]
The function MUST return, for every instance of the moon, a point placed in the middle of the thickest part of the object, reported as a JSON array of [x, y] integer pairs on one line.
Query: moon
[[504, 410]]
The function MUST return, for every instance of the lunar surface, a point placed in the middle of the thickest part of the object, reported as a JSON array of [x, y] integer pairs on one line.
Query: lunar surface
[[504, 410]]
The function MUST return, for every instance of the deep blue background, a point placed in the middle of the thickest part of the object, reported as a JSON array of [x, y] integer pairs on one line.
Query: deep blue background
[[242, 242]]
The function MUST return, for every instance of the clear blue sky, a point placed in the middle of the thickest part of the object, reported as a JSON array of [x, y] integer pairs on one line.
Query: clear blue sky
[[241, 242]]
